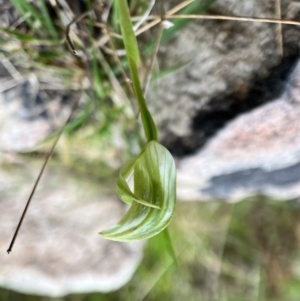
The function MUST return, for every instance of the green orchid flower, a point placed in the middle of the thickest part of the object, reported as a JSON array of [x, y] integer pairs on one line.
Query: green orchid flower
[[152, 203]]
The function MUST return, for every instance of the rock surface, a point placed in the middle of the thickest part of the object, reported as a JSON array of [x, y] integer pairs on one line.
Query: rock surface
[[257, 153], [58, 250], [28, 115], [17, 131], [221, 63]]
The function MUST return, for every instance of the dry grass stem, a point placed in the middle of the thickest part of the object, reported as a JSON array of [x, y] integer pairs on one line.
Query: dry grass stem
[[74, 107], [15, 74], [279, 28], [145, 15], [67, 33], [118, 61], [158, 19], [147, 77], [20, 20], [233, 18], [113, 80]]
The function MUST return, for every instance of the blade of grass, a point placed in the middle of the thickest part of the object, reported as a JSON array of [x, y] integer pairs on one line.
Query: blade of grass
[[19, 35], [97, 77], [20, 9], [111, 75], [169, 70], [157, 248], [80, 120], [44, 19], [169, 246], [115, 16], [48, 21]]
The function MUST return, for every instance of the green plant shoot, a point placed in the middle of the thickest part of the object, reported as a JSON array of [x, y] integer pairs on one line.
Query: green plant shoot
[[152, 201]]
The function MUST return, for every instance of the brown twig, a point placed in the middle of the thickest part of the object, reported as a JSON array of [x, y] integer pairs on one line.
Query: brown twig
[[67, 34]]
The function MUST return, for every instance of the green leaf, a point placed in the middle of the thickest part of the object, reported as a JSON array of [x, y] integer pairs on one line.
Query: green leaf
[[155, 184], [48, 22], [43, 17], [21, 36]]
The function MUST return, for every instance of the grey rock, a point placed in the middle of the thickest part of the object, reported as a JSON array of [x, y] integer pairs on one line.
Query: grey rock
[[257, 153], [221, 61], [28, 115], [58, 250], [20, 130]]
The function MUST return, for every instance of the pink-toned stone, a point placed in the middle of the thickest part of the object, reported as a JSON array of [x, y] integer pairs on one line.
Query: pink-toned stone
[[257, 153]]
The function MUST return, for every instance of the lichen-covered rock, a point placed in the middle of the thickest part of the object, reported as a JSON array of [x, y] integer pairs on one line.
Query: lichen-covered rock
[[257, 153], [28, 115], [58, 250], [218, 63]]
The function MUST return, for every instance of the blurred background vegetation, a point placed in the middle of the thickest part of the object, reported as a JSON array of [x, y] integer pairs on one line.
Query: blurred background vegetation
[[244, 251], [222, 251]]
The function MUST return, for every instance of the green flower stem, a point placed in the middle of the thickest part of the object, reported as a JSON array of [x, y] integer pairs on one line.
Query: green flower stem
[[153, 199], [132, 52], [147, 120]]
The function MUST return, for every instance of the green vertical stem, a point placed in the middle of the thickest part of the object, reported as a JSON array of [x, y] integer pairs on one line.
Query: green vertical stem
[[147, 120], [132, 52]]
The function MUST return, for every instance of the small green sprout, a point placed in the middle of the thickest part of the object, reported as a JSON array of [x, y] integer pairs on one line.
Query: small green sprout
[[152, 201]]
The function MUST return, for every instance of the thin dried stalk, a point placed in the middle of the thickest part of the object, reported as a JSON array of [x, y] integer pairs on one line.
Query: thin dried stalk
[[75, 105], [158, 19], [279, 28], [233, 18]]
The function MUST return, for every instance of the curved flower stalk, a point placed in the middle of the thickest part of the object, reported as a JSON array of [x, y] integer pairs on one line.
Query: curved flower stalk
[[152, 202], [154, 196]]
